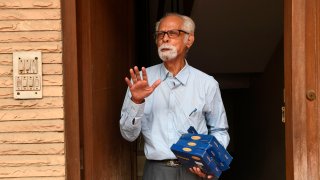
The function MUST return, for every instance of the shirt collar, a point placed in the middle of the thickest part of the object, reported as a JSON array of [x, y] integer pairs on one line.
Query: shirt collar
[[182, 76]]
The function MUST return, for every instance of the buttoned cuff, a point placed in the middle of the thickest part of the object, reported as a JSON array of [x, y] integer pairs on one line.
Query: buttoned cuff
[[135, 111]]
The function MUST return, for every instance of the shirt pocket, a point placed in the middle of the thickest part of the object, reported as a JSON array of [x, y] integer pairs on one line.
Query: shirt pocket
[[190, 116], [195, 115]]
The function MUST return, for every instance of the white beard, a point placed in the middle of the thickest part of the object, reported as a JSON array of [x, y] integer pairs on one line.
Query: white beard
[[169, 54]]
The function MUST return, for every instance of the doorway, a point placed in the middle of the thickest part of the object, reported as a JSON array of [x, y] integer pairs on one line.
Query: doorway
[[93, 109], [251, 76]]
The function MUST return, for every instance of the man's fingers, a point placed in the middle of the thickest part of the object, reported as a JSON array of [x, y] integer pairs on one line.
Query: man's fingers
[[144, 74], [136, 70], [199, 172], [133, 76], [128, 82], [210, 177], [190, 169]]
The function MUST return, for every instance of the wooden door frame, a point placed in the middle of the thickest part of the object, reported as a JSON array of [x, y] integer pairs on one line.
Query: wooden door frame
[[301, 44], [71, 91], [300, 161]]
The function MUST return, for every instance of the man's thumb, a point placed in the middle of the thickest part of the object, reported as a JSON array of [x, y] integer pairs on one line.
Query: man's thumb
[[156, 84]]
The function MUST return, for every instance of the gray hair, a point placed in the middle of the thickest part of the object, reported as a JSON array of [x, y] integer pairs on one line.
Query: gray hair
[[188, 24]]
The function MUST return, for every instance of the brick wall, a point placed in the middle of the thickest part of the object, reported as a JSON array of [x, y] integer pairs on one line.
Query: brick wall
[[31, 131]]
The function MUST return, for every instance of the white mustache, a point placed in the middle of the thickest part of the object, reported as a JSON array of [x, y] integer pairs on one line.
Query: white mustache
[[166, 46]]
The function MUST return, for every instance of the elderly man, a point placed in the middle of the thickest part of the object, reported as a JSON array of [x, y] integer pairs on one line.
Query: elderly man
[[180, 96]]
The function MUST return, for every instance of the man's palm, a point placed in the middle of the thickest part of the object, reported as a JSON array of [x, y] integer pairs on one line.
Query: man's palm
[[139, 87]]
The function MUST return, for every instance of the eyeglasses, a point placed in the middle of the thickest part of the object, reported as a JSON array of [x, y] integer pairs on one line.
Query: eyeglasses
[[171, 33]]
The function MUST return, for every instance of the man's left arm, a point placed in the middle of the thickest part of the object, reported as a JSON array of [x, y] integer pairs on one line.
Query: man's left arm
[[215, 114]]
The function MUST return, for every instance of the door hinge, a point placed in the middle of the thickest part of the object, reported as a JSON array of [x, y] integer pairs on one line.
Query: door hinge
[[283, 109]]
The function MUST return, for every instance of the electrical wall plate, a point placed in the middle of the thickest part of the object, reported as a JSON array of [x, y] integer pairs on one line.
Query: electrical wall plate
[[27, 75]]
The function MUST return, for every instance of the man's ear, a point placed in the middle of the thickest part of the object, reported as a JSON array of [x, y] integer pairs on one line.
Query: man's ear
[[190, 40]]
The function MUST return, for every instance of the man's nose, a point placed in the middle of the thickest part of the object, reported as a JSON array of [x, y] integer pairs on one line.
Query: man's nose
[[165, 37]]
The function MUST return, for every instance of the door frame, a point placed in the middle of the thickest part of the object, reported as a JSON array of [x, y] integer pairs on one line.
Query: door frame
[[71, 90], [301, 57]]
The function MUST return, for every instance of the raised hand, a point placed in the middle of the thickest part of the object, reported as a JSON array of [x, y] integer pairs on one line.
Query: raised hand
[[139, 86]]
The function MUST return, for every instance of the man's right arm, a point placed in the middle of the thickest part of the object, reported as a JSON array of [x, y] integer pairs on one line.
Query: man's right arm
[[131, 116]]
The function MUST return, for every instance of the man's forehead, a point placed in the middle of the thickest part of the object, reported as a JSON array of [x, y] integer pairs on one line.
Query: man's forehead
[[170, 22]]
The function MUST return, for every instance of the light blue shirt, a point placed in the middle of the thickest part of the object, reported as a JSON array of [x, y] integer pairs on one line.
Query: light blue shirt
[[191, 98]]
